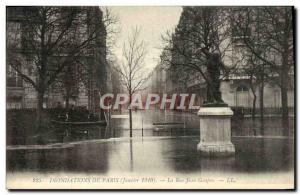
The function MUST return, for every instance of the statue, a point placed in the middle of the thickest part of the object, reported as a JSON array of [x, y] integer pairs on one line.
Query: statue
[[215, 123], [214, 66]]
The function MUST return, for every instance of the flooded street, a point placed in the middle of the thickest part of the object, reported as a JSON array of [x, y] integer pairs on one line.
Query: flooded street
[[154, 123], [150, 97], [162, 149]]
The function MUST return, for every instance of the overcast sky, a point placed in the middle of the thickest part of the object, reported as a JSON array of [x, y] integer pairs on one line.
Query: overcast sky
[[153, 21]]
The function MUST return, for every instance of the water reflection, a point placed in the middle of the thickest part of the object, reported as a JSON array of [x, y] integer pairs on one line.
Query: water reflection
[[131, 156], [263, 154], [155, 156]]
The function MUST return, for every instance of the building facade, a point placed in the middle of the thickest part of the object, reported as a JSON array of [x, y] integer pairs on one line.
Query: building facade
[[235, 87], [81, 85]]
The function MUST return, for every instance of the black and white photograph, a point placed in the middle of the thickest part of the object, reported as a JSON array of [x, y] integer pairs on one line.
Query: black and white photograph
[[172, 97]]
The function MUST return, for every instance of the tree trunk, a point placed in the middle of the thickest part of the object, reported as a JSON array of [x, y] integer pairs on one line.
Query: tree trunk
[[261, 98], [284, 78], [285, 111], [40, 107], [254, 105], [130, 116], [254, 98], [39, 116], [284, 89], [284, 103]]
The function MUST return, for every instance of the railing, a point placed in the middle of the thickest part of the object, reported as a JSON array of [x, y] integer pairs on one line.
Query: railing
[[242, 111]]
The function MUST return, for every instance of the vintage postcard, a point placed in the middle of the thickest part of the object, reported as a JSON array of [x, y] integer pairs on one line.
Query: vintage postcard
[[150, 97]]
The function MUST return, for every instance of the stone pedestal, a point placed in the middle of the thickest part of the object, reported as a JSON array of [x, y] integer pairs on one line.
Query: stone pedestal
[[215, 131]]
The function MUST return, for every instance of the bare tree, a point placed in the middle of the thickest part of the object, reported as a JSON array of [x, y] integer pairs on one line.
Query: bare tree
[[52, 39], [201, 31], [132, 67], [254, 70], [112, 27], [271, 42]]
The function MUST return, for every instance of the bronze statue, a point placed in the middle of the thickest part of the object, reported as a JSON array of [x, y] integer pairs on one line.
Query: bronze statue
[[214, 66]]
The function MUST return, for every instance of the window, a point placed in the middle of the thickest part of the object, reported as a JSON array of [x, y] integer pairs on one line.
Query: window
[[239, 29], [242, 96], [14, 102], [13, 35], [13, 79], [242, 88]]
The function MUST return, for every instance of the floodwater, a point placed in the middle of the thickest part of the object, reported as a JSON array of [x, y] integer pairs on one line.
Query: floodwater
[[153, 155], [159, 149], [155, 123]]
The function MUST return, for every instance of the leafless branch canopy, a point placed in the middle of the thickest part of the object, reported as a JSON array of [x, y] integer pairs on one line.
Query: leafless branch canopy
[[54, 38], [199, 28], [267, 33], [111, 23], [132, 66]]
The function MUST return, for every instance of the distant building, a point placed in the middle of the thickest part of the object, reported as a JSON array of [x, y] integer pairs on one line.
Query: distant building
[[21, 94]]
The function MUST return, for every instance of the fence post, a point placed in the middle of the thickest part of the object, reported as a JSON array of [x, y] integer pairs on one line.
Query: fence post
[[142, 126]]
